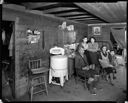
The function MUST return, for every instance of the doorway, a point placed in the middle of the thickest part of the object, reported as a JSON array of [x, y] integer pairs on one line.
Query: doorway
[[8, 60]]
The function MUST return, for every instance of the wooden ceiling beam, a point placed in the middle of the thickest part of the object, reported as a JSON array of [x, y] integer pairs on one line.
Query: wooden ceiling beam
[[90, 22], [71, 13], [38, 5], [83, 16], [84, 19], [59, 9], [66, 11], [57, 5], [108, 24]]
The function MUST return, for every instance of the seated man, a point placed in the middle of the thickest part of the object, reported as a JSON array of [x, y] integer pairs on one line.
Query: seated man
[[81, 64]]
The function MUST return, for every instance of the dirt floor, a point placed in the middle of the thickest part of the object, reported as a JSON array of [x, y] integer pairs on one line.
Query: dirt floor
[[76, 92]]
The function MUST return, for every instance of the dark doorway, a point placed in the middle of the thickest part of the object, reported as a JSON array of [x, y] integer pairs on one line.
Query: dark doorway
[[8, 60], [7, 29]]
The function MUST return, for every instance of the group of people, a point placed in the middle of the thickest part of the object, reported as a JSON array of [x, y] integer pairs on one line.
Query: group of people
[[90, 60]]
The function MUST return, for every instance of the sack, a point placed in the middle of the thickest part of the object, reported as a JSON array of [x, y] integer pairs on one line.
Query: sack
[[105, 64]]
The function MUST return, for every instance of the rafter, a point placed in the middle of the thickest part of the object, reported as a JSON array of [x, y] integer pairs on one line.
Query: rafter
[[59, 9], [71, 13], [84, 19], [65, 11], [83, 16], [38, 5]]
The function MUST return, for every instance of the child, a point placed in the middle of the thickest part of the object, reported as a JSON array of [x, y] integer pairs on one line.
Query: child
[[113, 59]]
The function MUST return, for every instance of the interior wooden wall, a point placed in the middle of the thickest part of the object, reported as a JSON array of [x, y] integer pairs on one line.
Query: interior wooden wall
[[105, 32], [25, 51]]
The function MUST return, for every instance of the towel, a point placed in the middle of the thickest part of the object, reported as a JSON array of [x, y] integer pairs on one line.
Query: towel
[[105, 64]]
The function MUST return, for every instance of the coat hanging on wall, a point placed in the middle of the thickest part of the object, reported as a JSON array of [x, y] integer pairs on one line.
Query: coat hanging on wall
[[10, 47], [3, 37]]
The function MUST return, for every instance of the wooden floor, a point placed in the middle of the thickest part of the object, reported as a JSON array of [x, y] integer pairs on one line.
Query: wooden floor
[[73, 92]]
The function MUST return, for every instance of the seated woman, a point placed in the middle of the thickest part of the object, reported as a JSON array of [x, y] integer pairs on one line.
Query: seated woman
[[83, 68], [93, 54], [104, 59], [84, 43]]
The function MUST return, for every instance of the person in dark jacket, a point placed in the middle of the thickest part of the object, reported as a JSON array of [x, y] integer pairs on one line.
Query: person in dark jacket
[[83, 68]]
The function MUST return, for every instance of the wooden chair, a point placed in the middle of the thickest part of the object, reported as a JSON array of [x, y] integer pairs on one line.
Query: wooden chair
[[103, 66], [6, 89], [81, 77], [102, 72], [37, 79]]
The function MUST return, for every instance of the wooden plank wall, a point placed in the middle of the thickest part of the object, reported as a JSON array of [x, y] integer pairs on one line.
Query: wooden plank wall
[[25, 51], [105, 32]]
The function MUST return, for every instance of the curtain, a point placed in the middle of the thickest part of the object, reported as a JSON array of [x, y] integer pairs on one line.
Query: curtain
[[112, 38], [119, 35]]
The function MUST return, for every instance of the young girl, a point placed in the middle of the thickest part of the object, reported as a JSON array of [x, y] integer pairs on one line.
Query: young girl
[[93, 47], [84, 43]]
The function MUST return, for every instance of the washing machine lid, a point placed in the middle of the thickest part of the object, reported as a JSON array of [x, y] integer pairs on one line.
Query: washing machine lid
[[57, 50]]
